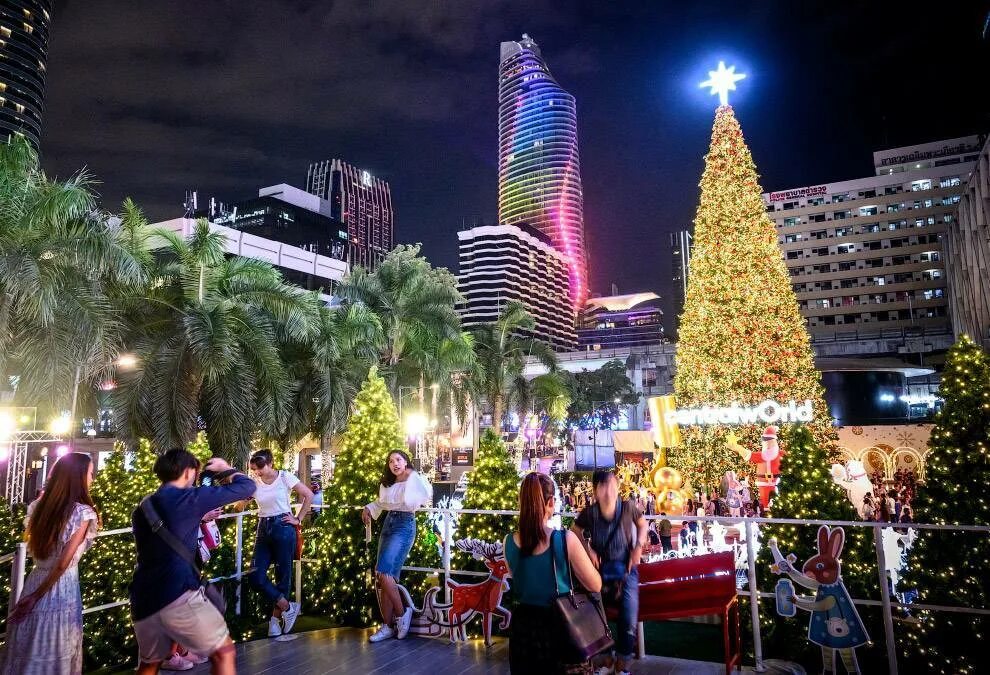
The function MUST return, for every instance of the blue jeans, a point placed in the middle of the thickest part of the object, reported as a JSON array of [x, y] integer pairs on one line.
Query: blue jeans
[[625, 638], [275, 543], [396, 540]]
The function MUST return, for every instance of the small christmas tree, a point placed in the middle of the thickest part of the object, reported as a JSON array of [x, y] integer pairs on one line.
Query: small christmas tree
[[341, 584], [741, 337], [492, 485], [107, 568], [807, 491], [951, 568]]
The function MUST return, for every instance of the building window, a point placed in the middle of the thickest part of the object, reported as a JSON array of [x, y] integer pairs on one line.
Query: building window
[[874, 262], [790, 222], [929, 256], [847, 265], [872, 245], [816, 201], [819, 234], [919, 185], [892, 208], [949, 181], [845, 248], [823, 251], [903, 278], [836, 199], [868, 211], [872, 227], [824, 269], [791, 238], [878, 281], [900, 260], [868, 193], [843, 231], [817, 218], [848, 283], [793, 255], [840, 215]]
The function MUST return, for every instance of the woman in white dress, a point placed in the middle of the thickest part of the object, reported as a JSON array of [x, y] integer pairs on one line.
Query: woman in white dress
[[45, 628]]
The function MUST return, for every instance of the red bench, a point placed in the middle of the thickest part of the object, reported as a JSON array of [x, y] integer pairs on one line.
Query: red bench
[[695, 586]]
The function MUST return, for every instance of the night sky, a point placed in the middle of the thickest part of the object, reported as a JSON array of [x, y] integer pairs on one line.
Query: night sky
[[225, 97]]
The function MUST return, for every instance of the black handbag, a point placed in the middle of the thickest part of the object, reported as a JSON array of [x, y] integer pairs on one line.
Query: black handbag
[[211, 591], [581, 613]]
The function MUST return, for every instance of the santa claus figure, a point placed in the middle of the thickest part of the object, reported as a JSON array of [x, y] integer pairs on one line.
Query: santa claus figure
[[767, 462]]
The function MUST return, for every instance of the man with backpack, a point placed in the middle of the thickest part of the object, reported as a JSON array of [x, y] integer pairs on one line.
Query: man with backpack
[[168, 600], [615, 532]]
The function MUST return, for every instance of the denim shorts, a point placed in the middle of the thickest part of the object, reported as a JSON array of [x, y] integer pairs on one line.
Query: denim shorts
[[398, 534]]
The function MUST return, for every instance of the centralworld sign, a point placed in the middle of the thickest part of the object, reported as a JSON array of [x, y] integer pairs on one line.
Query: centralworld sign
[[767, 412]]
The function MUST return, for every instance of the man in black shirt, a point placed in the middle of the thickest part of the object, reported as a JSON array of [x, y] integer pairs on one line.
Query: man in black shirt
[[614, 532]]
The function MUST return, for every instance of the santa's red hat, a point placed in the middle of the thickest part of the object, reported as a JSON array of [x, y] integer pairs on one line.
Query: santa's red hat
[[770, 433]]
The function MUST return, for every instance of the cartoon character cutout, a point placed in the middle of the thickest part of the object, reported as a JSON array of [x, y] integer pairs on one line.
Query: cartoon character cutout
[[835, 624], [767, 462], [857, 485]]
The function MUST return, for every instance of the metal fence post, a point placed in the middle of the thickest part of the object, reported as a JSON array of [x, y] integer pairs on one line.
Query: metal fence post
[[888, 618], [446, 555], [238, 560], [754, 598], [17, 567]]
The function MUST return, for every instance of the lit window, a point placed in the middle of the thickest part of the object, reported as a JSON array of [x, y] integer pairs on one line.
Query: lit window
[[921, 185], [5, 31], [28, 27]]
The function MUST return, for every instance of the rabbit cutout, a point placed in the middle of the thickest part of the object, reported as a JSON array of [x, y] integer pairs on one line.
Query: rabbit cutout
[[835, 624]]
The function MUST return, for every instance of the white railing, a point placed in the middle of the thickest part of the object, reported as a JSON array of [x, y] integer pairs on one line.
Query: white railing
[[18, 560]]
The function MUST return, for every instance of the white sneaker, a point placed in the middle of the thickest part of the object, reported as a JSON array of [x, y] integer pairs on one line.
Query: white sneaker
[[176, 662], [290, 615], [403, 623], [194, 659], [382, 634], [275, 626]]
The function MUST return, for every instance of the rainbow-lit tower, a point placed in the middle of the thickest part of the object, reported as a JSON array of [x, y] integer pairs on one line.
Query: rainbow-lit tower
[[539, 174]]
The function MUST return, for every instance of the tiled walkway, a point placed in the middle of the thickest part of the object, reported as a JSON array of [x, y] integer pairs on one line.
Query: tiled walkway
[[341, 651]]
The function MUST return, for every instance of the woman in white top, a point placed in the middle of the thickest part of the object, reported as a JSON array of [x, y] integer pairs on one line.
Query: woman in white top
[[277, 537], [401, 492]]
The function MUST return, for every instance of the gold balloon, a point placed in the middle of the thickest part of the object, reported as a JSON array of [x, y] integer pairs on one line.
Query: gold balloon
[[667, 478]]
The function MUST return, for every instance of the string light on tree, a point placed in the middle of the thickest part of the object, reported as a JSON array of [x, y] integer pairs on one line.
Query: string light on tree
[[722, 81]]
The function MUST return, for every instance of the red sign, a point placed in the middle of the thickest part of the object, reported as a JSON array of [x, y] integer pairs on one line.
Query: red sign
[[813, 191]]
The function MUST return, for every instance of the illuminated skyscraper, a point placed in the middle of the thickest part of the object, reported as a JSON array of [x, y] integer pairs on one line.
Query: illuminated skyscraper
[[361, 201], [539, 175], [24, 26]]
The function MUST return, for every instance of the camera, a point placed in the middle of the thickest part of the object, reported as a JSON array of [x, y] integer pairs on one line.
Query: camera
[[208, 478]]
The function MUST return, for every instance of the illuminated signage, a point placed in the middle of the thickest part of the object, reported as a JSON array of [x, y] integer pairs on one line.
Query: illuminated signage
[[813, 191], [767, 412], [365, 179]]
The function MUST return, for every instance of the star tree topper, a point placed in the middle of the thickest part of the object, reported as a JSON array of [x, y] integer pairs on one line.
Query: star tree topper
[[722, 81]]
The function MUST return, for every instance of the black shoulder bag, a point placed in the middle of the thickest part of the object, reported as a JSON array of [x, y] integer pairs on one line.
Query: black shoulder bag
[[581, 613], [211, 591]]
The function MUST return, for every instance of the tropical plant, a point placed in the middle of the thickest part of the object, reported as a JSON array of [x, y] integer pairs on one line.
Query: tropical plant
[[58, 255], [207, 332], [423, 343], [597, 394], [501, 350]]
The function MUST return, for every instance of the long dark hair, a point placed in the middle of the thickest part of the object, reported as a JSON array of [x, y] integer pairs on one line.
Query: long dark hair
[[66, 487], [534, 493], [388, 478]]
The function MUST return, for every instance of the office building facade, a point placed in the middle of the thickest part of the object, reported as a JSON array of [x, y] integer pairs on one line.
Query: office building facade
[[502, 263], [539, 173], [283, 214], [681, 248], [616, 321], [362, 202], [24, 30], [967, 249], [867, 254]]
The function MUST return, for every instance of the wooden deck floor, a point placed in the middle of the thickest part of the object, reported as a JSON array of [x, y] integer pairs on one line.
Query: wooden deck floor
[[346, 651]]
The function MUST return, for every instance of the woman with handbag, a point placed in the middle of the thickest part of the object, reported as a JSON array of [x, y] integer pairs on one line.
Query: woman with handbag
[[544, 563], [45, 628], [277, 538]]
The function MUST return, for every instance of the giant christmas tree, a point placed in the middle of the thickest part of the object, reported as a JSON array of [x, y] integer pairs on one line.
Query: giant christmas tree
[[741, 337], [951, 568], [492, 485]]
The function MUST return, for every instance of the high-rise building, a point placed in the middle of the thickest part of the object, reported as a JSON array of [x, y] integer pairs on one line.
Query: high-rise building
[[317, 244], [362, 202], [617, 321], [681, 248], [967, 250], [24, 26], [501, 263], [867, 254], [539, 175]]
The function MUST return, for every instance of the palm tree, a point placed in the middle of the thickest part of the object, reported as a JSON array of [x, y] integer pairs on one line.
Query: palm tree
[[326, 371], [208, 332], [423, 343], [58, 257], [501, 350]]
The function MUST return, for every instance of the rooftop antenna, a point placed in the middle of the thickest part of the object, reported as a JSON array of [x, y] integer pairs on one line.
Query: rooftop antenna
[[190, 205]]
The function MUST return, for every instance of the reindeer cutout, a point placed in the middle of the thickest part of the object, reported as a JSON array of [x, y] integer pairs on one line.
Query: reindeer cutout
[[468, 600]]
